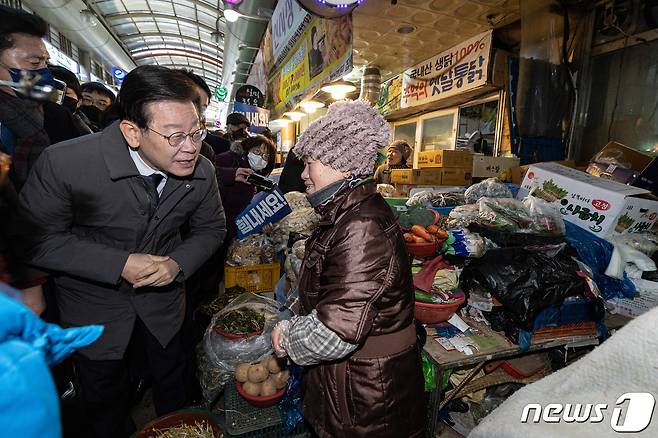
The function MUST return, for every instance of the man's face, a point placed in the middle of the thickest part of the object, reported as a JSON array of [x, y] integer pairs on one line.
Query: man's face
[[28, 53], [169, 117], [94, 98], [235, 128]]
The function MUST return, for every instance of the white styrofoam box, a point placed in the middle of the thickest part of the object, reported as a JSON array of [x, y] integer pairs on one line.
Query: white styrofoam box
[[600, 206]]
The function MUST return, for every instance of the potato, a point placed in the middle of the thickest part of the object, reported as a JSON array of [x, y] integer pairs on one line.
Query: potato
[[257, 373], [241, 372], [280, 379], [268, 388], [273, 365], [252, 388]]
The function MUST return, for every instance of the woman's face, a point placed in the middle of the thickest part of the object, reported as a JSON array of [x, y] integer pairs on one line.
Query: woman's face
[[394, 156], [262, 151], [317, 176]]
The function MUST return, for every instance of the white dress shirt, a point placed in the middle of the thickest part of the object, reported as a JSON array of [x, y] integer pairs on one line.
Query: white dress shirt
[[146, 170]]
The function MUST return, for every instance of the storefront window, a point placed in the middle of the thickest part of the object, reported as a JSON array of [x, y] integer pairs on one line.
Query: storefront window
[[479, 121], [438, 133], [406, 132]]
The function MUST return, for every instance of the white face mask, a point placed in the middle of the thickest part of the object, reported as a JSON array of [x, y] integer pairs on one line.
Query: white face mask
[[256, 162]]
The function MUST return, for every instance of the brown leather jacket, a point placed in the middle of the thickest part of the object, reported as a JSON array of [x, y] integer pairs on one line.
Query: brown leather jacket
[[357, 275]]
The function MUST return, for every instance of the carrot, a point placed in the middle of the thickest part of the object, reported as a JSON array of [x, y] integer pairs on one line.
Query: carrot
[[418, 239], [419, 231], [408, 237], [441, 234], [432, 229]]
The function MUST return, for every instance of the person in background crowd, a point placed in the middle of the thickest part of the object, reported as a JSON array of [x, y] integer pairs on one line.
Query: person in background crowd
[[251, 155], [135, 185], [72, 98], [208, 150], [356, 329], [96, 98], [291, 175], [27, 126], [236, 127], [396, 158]]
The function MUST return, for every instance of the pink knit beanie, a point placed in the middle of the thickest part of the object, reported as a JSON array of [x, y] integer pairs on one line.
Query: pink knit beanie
[[347, 138]]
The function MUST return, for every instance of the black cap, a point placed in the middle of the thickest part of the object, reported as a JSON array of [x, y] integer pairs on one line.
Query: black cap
[[237, 119]]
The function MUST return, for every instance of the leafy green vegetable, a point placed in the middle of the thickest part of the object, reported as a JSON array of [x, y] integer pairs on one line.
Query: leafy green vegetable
[[416, 216]]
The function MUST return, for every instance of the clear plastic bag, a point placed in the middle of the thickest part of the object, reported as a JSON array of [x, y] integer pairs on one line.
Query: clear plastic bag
[[254, 250], [504, 214], [386, 190], [489, 188], [546, 218], [432, 198], [301, 221], [229, 353], [643, 242], [463, 216]]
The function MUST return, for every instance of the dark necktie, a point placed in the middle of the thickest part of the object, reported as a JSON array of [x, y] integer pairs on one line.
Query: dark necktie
[[152, 182], [156, 179]]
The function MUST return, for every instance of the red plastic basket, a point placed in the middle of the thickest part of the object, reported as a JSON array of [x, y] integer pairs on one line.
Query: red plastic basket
[[422, 249], [258, 401], [176, 419], [429, 313]]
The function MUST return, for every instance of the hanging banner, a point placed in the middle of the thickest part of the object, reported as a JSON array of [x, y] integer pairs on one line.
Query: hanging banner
[[267, 207], [288, 24], [389, 95], [454, 71], [258, 117], [323, 54]]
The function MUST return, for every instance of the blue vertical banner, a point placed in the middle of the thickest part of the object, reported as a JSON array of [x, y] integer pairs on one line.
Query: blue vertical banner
[[267, 207]]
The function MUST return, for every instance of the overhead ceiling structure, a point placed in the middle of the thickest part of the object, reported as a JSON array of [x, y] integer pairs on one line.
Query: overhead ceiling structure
[[398, 36], [173, 33]]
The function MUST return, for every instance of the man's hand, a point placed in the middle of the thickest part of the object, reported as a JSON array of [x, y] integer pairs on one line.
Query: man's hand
[[33, 298], [160, 273], [137, 263], [242, 173]]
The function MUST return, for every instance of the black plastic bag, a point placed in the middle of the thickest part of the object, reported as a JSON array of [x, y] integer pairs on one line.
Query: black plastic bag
[[524, 282]]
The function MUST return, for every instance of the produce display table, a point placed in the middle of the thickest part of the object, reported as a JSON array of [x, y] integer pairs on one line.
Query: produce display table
[[499, 347]]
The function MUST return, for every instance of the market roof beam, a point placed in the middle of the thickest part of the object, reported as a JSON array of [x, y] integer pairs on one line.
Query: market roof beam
[[146, 53], [119, 15]]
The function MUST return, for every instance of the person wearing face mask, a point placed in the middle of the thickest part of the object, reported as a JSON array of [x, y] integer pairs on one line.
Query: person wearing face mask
[[251, 155], [96, 98], [72, 97], [236, 127], [355, 332], [27, 126]]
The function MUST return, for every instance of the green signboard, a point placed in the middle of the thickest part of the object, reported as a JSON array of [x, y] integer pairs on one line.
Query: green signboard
[[220, 93]]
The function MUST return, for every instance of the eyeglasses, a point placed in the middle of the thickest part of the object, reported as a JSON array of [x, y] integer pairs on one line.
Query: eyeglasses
[[264, 155], [177, 139]]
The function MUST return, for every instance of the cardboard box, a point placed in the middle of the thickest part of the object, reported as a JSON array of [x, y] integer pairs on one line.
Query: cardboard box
[[601, 206], [518, 173], [445, 158], [455, 176], [626, 165], [489, 167], [416, 176]]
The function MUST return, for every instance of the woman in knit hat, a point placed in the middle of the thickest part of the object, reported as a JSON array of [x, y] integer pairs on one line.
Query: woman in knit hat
[[397, 155], [355, 329]]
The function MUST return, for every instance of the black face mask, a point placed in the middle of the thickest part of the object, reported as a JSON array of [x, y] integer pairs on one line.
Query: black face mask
[[238, 135], [70, 103], [92, 113]]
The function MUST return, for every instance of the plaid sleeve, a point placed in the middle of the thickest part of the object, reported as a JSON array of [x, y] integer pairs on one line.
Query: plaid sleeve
[[308, 342]]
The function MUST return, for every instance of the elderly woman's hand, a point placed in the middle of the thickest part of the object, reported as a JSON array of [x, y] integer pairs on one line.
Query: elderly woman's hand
[[278, 334]]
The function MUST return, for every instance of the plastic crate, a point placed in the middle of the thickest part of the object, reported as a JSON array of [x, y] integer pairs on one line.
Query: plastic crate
[[254, 278], [242, 420]]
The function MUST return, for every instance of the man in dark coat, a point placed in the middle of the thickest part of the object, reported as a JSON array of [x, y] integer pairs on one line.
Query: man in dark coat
[[103, 213]]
